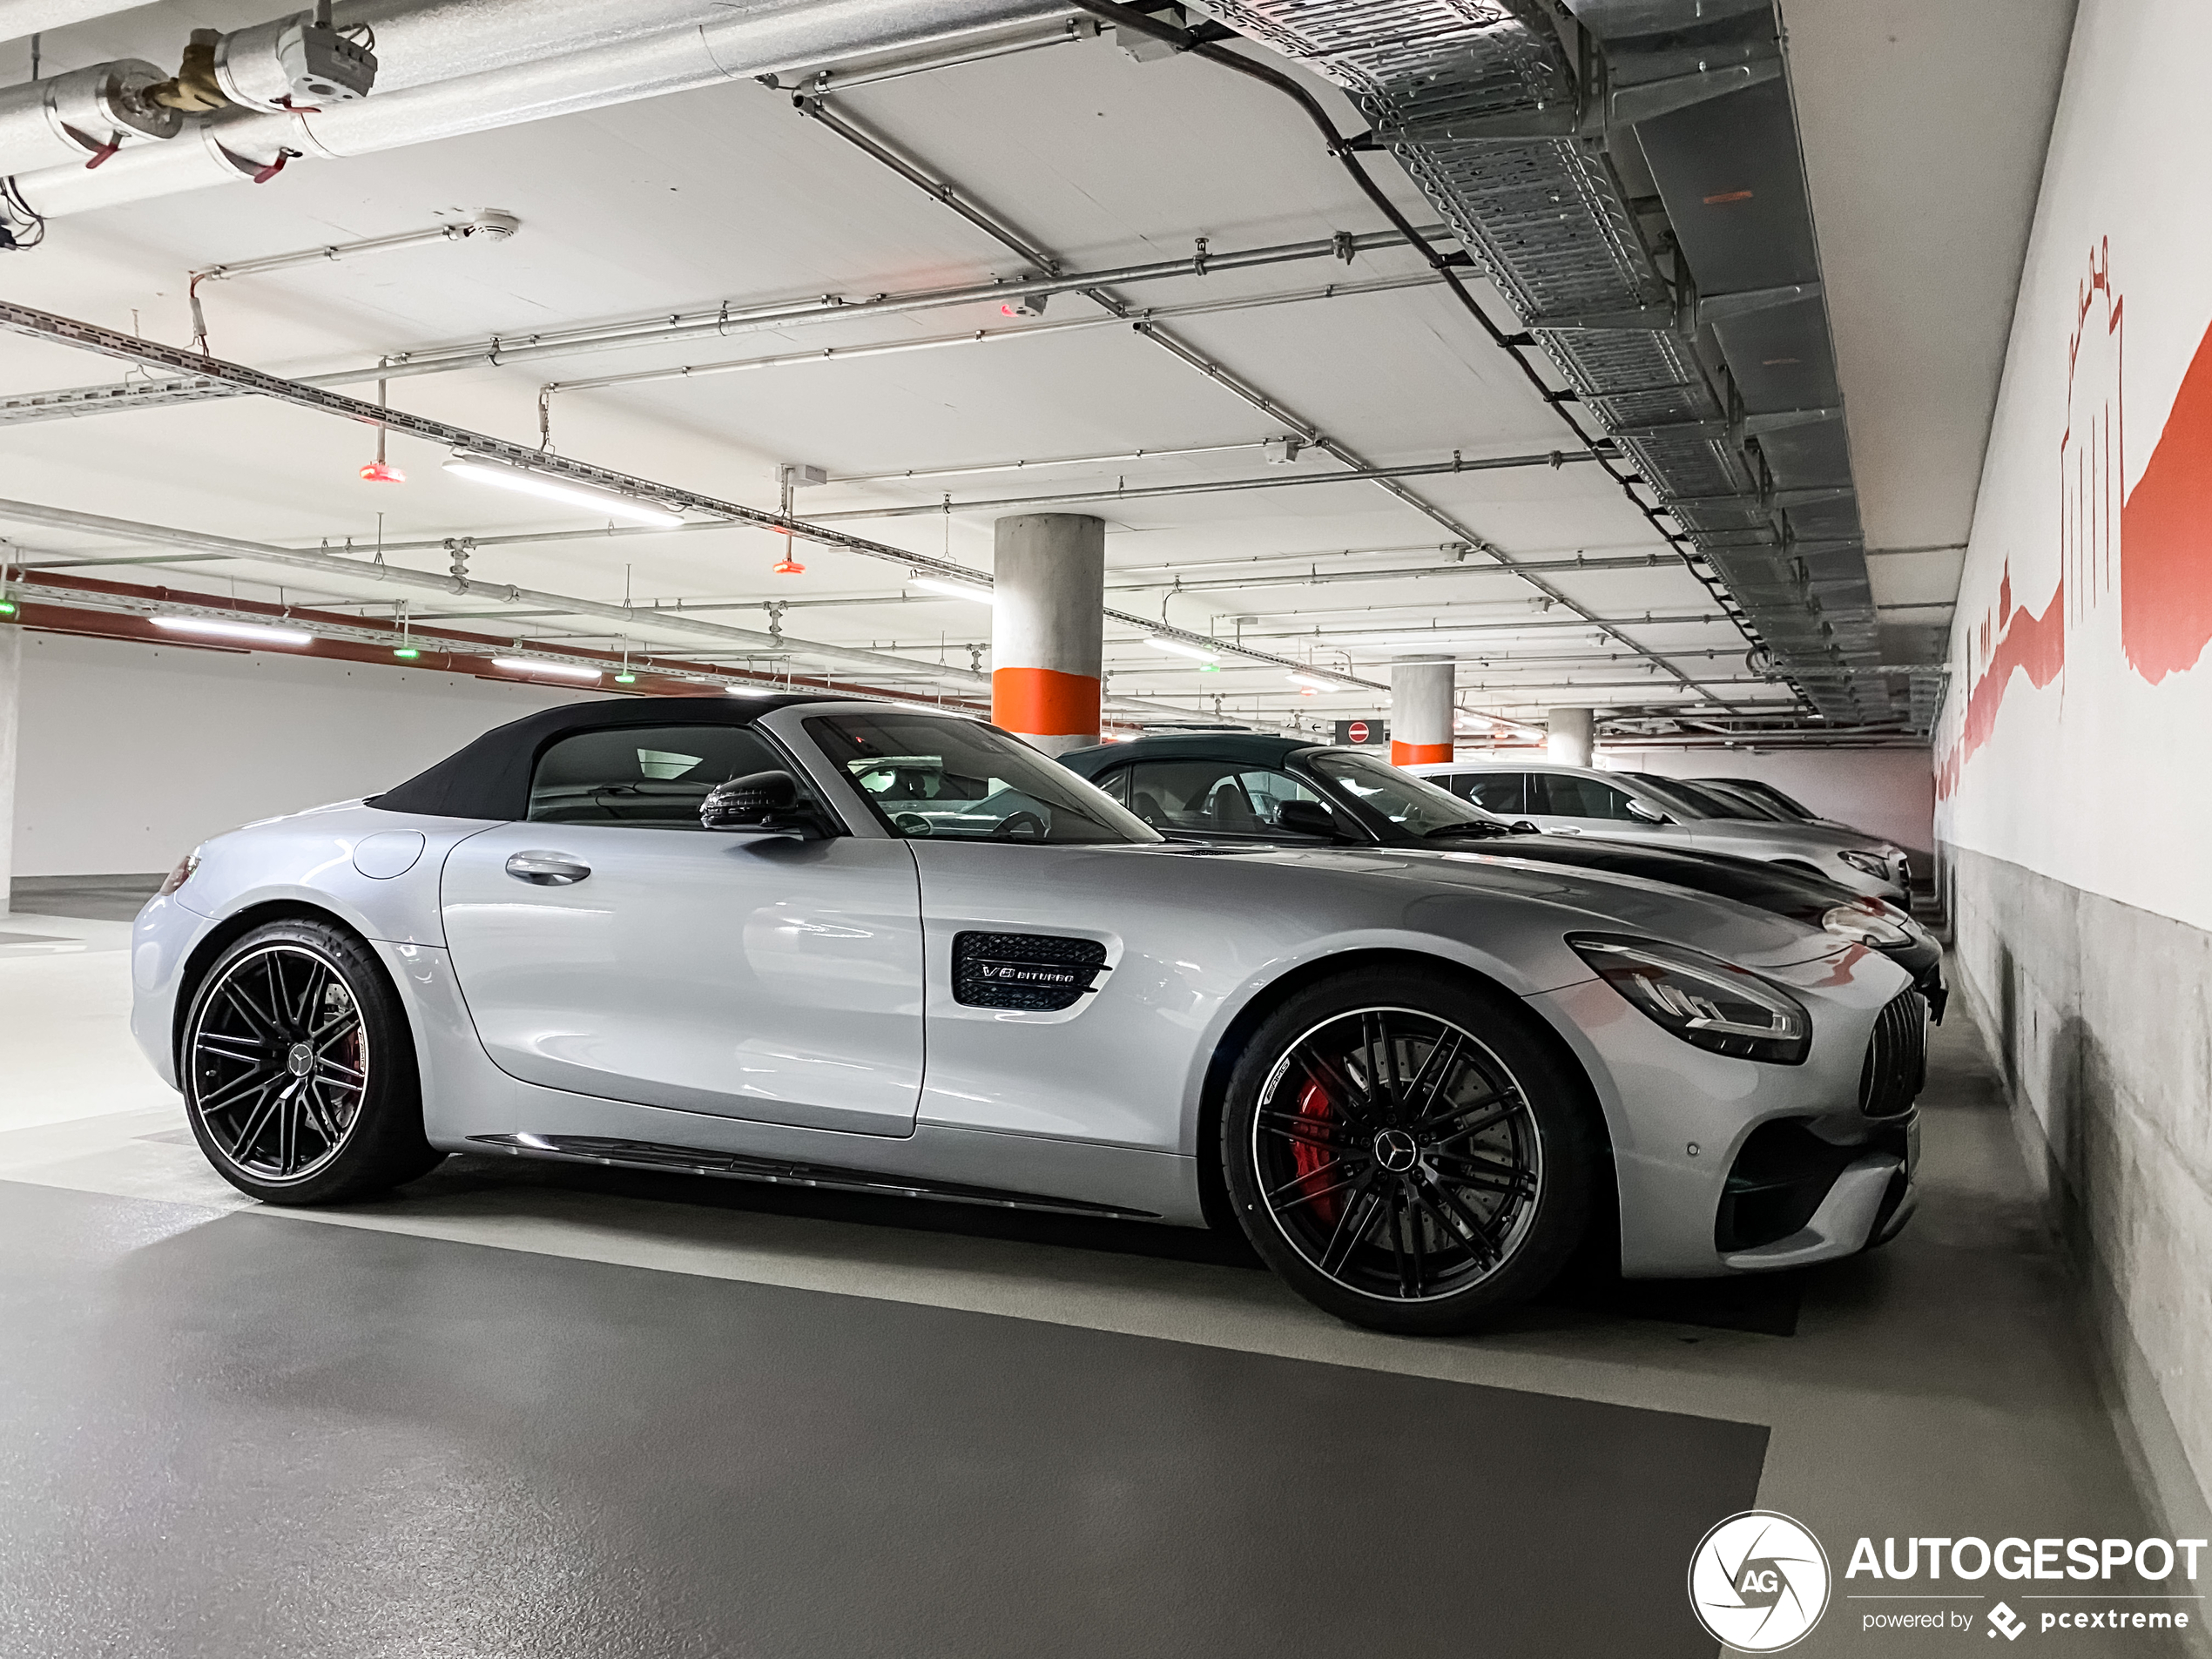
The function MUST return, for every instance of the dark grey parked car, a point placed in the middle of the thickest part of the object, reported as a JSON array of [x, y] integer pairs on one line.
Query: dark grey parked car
[[1230, 786]]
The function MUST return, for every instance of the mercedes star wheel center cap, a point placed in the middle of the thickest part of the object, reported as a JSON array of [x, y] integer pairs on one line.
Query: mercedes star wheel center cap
[[301, 1061], [1395, 1150]]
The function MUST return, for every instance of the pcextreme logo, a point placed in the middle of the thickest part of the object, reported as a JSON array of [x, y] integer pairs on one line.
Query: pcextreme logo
[[1758, 1581]]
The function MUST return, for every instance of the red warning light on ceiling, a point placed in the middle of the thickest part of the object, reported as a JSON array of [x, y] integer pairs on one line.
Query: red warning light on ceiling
[[788, 567], [378, 472]]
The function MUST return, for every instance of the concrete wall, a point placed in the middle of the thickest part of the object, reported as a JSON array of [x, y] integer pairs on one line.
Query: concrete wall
[[130, 755], [2099, 1017], [1884, 792], [2072, 789]]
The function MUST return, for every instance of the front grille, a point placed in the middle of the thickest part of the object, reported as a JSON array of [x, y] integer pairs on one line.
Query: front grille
[[1896, 1058], [1037, 973]]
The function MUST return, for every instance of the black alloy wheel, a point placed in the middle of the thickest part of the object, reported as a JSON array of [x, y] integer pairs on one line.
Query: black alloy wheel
[[298, 1074], [1407, 1153]]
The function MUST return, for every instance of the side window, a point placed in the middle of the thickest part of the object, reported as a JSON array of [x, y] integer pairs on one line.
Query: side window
[[644, 777], [1116, 784], [1269, 790], [1494, 791], [1211, 797], [1571, 797]]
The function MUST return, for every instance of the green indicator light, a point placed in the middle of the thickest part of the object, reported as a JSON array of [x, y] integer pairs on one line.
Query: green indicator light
[[1209, 668], [408, 652], [625, 679]]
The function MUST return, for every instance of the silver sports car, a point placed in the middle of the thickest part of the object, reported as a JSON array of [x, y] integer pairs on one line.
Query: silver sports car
[[846, 944]]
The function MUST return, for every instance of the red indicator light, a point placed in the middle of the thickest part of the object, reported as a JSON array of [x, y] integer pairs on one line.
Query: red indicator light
[[377, 472], [789, 567]]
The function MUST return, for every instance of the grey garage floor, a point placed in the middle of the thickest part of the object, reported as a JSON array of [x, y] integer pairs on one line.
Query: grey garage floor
[[522, 1411]]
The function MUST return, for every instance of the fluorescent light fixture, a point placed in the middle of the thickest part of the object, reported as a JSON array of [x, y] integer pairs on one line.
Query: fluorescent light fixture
[[540, 665], [612, 503], [1315, 683], [950, 588], [750, 691], [250, 632], [1161, 641]]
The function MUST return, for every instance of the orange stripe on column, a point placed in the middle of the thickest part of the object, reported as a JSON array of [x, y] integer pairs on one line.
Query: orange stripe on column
[[1044, 703], [1418, 754]]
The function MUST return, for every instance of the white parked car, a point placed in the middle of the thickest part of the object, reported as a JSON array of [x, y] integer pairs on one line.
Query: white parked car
[[1632, 806], [840, 944]]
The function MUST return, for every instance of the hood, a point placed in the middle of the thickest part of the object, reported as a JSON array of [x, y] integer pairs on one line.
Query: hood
[[1585, 900], [1822, 835]]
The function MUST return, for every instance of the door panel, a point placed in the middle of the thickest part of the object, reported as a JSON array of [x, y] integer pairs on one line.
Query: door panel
[[1111, 1065], [753, 977]]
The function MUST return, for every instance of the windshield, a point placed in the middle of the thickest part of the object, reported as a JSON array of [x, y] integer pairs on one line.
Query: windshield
[[934, 775], [1413, 804], [1766, 795], [1764, 807], [1696, 802]]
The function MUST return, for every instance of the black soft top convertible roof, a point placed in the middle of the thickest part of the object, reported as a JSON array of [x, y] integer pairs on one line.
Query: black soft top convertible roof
[[491, 776]]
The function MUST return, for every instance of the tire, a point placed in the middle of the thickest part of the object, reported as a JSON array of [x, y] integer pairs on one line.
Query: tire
[[298, 1070], [1427, 1207]]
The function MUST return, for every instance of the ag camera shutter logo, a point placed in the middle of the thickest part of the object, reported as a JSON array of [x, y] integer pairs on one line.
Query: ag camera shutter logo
[[1758, 1581]]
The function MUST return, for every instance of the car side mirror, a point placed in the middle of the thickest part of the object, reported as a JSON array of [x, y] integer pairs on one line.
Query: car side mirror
[[760, 802], [1306, 818], [1649, 814], [1527, 826]]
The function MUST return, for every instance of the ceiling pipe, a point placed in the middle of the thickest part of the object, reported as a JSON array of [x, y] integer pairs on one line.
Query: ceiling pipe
[[186, 386], [874, 69], [1554, 459], [467, 66], [748, 640]]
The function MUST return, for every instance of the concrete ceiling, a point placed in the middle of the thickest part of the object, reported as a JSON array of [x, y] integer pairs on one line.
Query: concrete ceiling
[[1925, 125], [687, 201]]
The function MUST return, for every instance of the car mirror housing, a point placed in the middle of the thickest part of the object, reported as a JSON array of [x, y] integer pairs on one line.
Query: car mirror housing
[[1306, 818], [760, 802], [1649, 814]]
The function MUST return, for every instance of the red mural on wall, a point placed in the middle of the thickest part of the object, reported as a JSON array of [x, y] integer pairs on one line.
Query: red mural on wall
[[2149, 550], [2166, 537]]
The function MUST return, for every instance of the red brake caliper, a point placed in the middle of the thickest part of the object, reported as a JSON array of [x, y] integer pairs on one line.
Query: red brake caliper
[[1316, 1164]]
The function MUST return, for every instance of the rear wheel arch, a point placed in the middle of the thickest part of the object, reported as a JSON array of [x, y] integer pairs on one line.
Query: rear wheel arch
[[1213, 1187]]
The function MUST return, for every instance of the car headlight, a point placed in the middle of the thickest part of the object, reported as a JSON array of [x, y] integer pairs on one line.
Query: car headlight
[[1705, 1002], [1866, 926], [182, 873], [1873, 863]]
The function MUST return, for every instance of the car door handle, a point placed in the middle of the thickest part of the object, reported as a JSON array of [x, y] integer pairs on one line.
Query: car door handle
[[548, 869]]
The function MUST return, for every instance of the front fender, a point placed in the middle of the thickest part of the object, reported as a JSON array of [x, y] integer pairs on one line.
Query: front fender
[[1245, 1006]]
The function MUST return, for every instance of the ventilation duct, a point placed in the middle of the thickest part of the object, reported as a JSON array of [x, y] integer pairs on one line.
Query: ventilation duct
[[1628, 177], [463, 66], [82, 118]]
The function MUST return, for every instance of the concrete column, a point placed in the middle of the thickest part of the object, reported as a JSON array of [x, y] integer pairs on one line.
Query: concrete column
[[10, 696], [1569, 743], [1048, 594], [1421, 712]]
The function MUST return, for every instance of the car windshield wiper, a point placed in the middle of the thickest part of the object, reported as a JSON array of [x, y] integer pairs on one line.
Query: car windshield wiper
[[1481, 827]]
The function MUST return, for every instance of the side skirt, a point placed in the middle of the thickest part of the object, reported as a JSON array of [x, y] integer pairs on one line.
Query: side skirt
[[689, 1160]]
